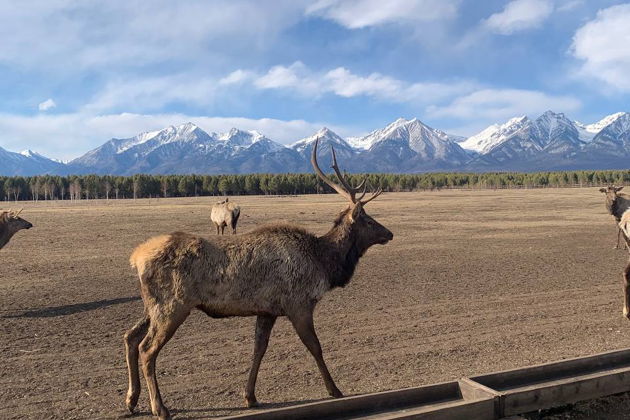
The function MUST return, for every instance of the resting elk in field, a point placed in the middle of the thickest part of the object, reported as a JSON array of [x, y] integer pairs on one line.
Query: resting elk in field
[[274, 271], [10, 224], [225, 214], [616, 204]]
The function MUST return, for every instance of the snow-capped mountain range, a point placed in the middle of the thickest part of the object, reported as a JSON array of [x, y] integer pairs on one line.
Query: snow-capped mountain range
[[549, 142]]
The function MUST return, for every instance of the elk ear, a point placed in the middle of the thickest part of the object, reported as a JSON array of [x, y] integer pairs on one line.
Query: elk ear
[[618, 189], [602, 190], [356, 211]]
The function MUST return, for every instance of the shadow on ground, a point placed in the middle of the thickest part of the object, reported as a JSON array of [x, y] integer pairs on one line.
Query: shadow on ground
[[72, 309]]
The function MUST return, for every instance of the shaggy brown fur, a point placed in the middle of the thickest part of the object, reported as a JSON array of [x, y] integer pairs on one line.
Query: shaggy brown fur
[[278, 270], [626, 291], [616, 204], [624, 226], [225, 214], [10, 224]]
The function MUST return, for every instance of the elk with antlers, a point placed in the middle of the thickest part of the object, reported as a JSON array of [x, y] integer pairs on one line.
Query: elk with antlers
[[274, 271], [616, 204], [10, 224]]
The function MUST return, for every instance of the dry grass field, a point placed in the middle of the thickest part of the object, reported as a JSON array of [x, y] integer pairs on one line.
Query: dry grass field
[[474, 281]]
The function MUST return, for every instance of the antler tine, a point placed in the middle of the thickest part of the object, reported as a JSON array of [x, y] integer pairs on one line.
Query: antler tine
[[376, 194], [364, 189], [352, 190], [327, 180], [342, 179]]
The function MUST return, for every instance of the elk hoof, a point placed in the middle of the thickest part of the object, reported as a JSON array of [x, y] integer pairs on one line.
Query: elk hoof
[[626, 313], [163, 414], [251, 402], [131, 401], [336, 394]]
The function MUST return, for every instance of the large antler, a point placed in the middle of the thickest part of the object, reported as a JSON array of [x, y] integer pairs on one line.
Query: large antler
[[345, 189]]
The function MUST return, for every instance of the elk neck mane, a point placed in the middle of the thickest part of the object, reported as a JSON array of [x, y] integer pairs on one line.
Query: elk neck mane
[[341, 251], [618, 205]]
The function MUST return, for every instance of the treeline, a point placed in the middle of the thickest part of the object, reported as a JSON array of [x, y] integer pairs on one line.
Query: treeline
[[81, 187]]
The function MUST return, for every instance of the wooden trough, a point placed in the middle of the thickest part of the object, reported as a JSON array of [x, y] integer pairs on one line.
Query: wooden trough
[[486, 397], [558, 383], [444, 401]]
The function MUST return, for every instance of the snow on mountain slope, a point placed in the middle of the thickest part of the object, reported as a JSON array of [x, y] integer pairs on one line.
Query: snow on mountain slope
[[494, 135], [26, 163], [588, 132], [551, 141], [411, 145]]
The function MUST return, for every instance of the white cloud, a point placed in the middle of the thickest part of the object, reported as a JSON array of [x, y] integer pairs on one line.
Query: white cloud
[[568, 5], [495, 105], [236, 77], [117, 34], [47, 104], [342, 82], [519, 15], [355, 14], [66, 136], [603, 44], [152, 93], [295, 76]]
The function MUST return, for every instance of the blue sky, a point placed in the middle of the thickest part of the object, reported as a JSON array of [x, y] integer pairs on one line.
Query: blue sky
[[75, 73]]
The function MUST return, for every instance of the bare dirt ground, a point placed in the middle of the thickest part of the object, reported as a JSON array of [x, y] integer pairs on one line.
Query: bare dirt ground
[[473, 282]]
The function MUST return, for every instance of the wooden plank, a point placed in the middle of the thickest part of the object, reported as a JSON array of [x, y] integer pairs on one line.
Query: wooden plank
[[565, 391], [516, 378], [472, 390], [419, 402]]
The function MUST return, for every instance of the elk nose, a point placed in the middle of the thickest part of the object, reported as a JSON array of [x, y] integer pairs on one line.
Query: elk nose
[[30, 225], [390, 235]]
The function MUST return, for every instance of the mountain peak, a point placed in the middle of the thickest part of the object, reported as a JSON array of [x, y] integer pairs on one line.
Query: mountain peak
[[323, 133], [494, 135], [241, 137]]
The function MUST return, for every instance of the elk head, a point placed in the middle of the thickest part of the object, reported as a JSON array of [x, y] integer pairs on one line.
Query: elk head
[[362, 227], [611, 197], [13, 221]]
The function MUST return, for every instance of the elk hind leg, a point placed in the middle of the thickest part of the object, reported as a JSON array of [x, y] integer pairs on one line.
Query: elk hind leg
[[626, 291], [161, 329], [303, 324], [133, 337], [264, 325]]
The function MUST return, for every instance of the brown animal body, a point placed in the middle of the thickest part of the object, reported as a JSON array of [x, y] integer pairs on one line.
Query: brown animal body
[[616, 204], [278, 270], [10, 224], [225, 214], [624, 227]]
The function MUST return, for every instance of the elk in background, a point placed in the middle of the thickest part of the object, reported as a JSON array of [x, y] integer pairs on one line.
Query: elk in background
[[274, 271], [616, 204], [10, 224], [225, 214]]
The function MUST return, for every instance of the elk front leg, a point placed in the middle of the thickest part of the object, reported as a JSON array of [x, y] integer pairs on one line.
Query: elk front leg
[[303, 324], [618, 237], [161, 329], [264, 325], [626, 291]]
